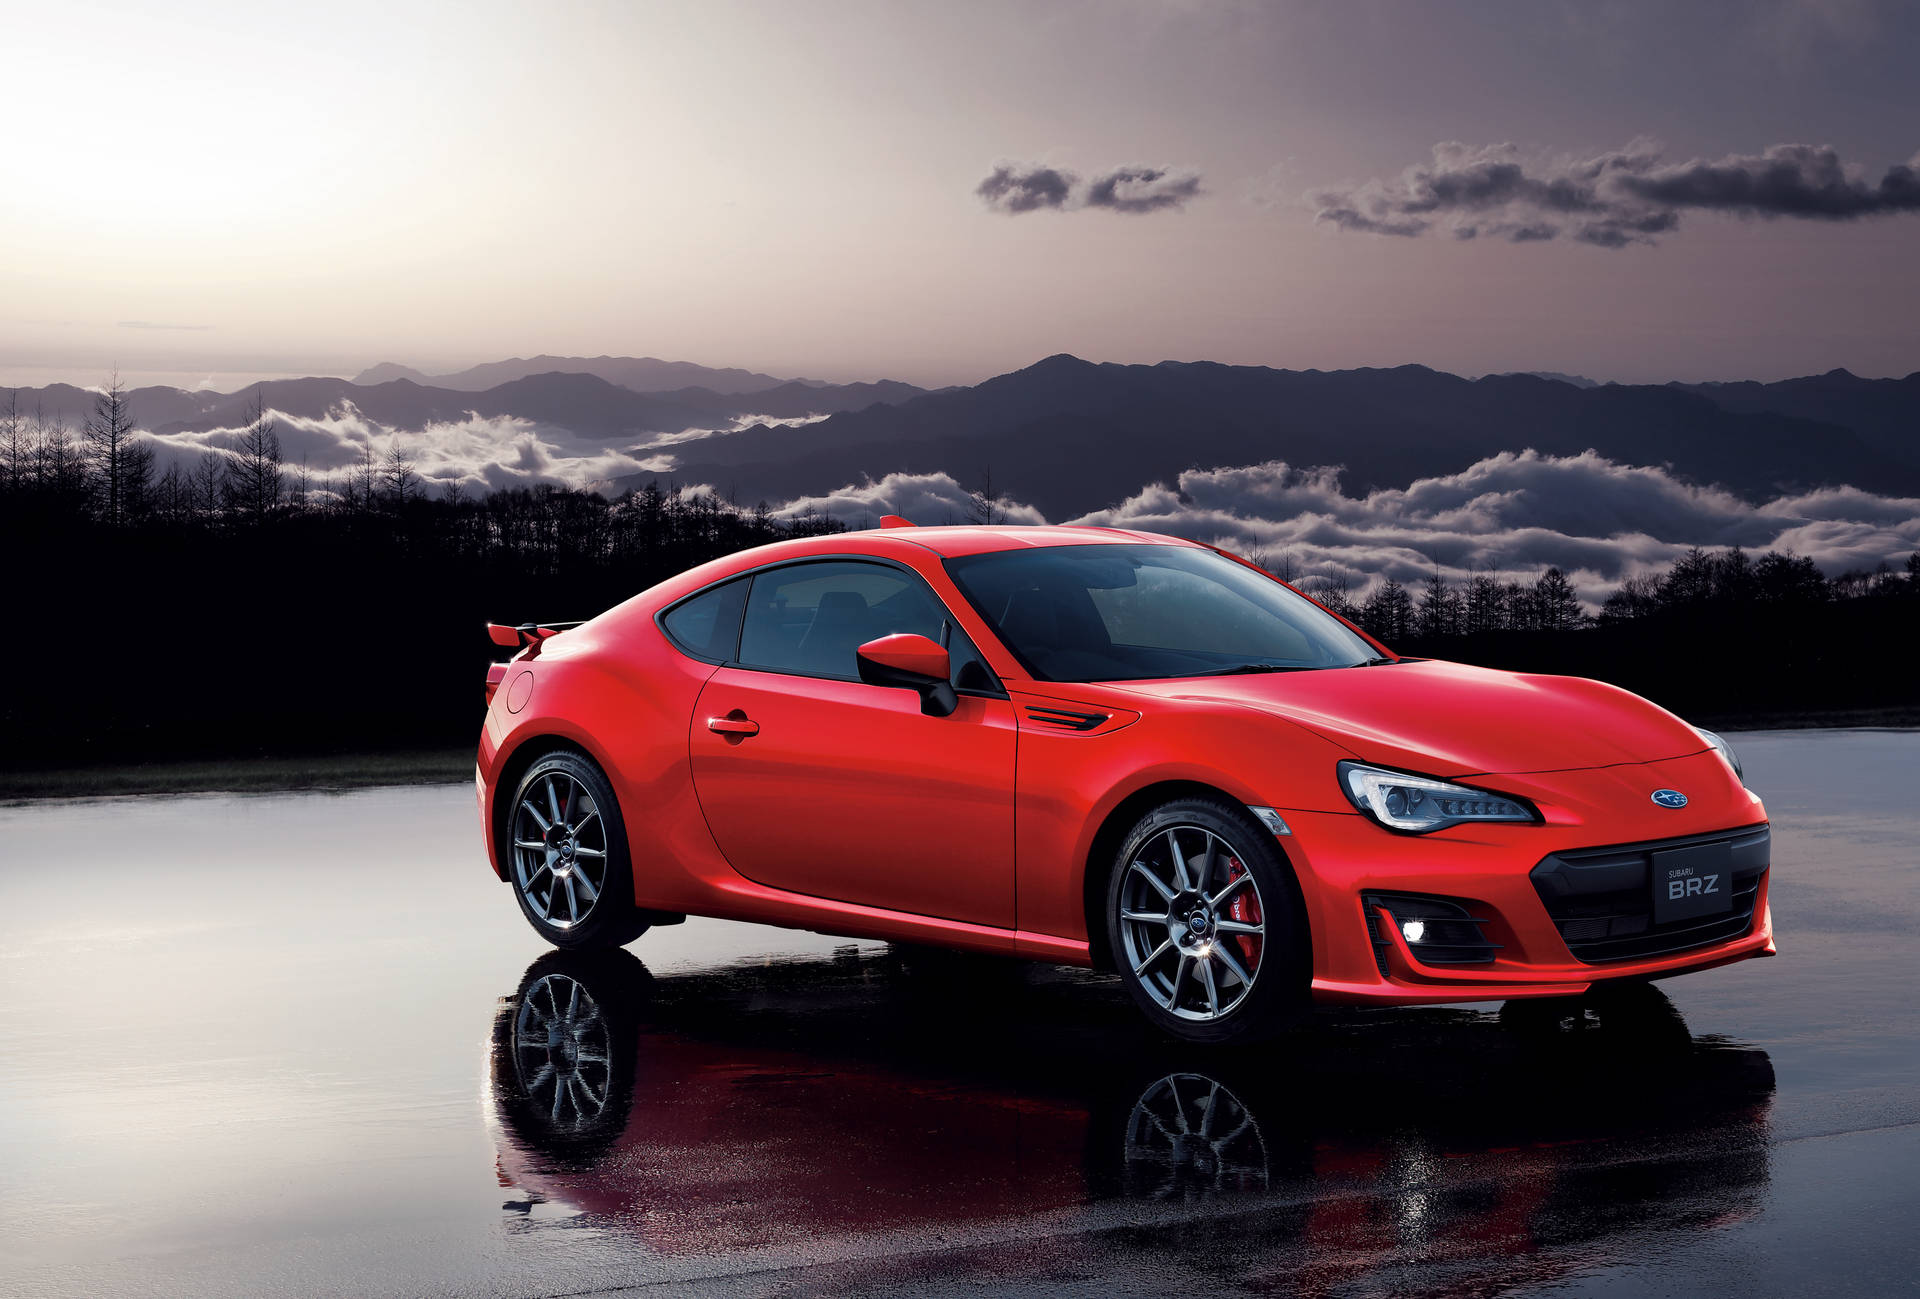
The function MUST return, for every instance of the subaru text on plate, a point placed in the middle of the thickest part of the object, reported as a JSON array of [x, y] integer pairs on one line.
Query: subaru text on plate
[[1109, 749]]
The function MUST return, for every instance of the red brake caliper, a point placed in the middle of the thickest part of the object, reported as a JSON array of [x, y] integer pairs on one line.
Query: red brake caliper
[[1244, 906]]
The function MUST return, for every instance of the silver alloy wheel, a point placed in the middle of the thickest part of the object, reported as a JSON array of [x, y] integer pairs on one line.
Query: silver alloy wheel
[[1189, 1135], [1192, 927], [561, 1053], [559, 850]]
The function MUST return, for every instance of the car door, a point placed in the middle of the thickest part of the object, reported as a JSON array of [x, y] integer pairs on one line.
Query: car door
[[815, 782]]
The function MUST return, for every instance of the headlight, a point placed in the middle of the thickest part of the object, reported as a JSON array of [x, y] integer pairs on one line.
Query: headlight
[[1420, 803], [1725, 750]]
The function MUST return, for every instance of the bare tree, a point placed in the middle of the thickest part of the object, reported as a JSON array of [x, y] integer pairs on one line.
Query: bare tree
[[398, 477], [16, 447], [1485, 603], [361, 481], [204, 485], [983, 503], [1335, 592], [1440, 608], [255, 478], [173, 497], [59, 464], [122, 466]]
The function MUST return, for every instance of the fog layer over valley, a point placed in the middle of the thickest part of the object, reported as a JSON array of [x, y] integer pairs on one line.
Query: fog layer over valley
[[1350, 476]]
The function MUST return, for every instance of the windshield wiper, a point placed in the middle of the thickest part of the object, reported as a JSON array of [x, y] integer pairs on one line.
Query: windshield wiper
[[1375, 662], [1247, 668]]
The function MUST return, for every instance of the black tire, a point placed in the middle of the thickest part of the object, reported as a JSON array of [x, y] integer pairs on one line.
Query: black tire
[[567, 1094], [610, 919], [1278, 994]]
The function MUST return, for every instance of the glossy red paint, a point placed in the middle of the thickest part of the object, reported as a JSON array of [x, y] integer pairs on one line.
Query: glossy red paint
[[850, 792], [835, 805], [908, 652]]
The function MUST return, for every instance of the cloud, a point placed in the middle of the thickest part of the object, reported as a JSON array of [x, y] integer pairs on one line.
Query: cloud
[[1613, 199], [1138, 190], [746, 421], [478, 453], [1135, 190], [1788, 180], [1014, 188], [924, 498], [1513, 513]]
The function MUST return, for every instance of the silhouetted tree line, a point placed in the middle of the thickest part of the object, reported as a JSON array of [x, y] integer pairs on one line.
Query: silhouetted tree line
[[238, 604], [1718, 636], [103, 479], [1700, 581]]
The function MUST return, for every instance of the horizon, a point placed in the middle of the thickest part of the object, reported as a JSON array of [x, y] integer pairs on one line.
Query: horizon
[[231, 383]]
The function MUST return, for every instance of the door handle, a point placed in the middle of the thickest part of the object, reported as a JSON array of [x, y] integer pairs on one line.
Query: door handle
[[735, 725]]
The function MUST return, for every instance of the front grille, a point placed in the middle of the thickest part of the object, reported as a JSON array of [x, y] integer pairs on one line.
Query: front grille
[[1601, 898], [1452, 933]]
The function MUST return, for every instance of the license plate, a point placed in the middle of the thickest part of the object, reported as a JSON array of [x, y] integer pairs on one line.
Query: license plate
[[1692, 882]]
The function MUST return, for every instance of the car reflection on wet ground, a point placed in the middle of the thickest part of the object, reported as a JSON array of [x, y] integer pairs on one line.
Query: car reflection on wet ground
[[756, 1111], [303, 1045]]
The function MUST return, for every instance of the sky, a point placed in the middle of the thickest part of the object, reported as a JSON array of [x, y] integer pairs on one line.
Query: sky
[[939, 192]]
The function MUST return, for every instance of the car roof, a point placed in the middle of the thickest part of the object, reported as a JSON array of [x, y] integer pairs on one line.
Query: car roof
[[976, 539]]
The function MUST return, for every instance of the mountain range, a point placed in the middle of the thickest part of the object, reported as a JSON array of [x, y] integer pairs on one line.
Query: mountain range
[[640, 373], [1069, 436], [586, 405]]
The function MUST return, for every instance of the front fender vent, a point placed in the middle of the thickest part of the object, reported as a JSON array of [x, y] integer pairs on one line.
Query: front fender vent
[[1066, 719]]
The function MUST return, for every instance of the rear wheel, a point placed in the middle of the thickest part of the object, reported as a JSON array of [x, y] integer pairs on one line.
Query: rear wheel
[[567, 855], [1205, 924], [564, 1053]]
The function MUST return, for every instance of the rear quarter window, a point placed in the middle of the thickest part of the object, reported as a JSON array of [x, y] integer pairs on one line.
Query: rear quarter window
[[707, 625]]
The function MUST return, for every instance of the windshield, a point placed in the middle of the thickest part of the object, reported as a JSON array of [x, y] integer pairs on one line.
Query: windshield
[[1130, 613]]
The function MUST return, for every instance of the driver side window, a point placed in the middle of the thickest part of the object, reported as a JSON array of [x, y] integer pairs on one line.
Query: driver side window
[[810, 619]]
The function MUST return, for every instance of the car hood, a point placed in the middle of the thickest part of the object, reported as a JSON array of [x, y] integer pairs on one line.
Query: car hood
[[1450, 719]]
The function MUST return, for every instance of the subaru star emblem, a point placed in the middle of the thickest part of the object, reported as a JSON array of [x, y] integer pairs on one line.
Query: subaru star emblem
[[1669, 798]]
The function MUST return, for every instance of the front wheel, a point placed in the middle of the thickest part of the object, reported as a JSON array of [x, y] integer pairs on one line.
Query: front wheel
[[1205, 924], [567, 856]]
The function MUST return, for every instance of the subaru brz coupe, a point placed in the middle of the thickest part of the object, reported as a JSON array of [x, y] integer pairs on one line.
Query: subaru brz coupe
[[1110, 749]]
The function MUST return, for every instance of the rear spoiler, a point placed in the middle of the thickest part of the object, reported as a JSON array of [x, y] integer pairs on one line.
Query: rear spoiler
[[527, 634]]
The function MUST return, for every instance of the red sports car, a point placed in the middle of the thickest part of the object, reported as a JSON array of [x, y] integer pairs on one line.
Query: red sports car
[[1112, 749]]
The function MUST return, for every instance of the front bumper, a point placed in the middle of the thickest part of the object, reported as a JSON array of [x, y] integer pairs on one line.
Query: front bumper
[[1505, 875]]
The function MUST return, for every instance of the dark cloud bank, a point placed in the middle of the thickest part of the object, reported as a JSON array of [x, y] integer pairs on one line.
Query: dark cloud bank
[[1627, 196], [1014, 188]]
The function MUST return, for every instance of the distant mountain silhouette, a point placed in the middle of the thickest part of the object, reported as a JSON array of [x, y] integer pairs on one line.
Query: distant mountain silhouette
[[586, 405], [1577, 380], [1885, 413], [1069, 436], [795, 400], [640, 373]]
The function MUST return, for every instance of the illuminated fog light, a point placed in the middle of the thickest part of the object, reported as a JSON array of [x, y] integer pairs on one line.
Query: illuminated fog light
[[1413, 930]]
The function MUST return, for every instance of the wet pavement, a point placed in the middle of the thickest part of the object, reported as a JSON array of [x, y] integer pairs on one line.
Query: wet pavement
[[303, 1044]]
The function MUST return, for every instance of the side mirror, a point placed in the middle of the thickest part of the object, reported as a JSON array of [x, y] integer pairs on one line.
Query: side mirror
[[911, 663]]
